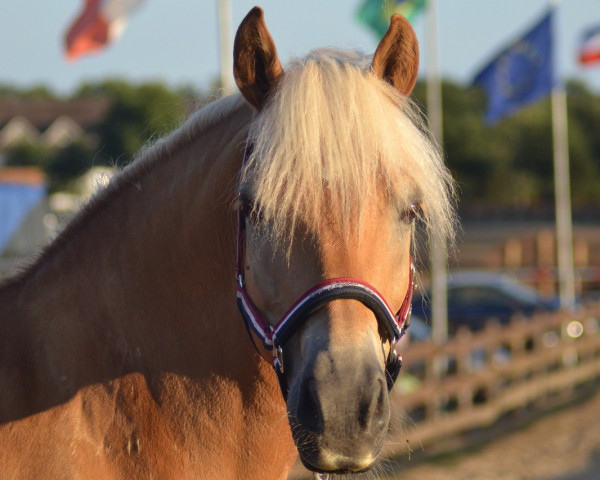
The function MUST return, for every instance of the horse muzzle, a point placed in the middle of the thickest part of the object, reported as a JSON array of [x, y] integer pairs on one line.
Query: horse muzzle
[[339, 411]]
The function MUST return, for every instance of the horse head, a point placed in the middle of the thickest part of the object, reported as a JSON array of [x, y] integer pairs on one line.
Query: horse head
[[335, 172]]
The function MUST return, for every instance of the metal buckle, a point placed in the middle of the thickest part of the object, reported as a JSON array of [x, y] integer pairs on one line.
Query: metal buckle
[[278, 358]]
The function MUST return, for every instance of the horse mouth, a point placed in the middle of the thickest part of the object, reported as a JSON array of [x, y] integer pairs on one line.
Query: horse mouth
[[340, 458], [338, 465]]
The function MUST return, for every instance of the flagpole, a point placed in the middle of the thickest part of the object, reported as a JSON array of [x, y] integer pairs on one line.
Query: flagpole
[[562, 193], [439, 259], [225, 48], [564, 225]]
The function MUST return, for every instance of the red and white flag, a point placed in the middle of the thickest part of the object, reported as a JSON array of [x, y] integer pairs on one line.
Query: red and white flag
[[100, 23], [589, 48]]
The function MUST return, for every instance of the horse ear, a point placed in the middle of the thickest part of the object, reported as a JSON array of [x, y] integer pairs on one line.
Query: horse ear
[[256, 66], [396, 59]]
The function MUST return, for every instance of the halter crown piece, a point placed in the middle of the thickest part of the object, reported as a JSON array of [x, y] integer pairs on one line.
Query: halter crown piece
[[275, 337]]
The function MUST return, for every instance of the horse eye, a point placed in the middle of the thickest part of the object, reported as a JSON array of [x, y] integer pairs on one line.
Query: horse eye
[[245, 205], [249, 208], [412, 212]]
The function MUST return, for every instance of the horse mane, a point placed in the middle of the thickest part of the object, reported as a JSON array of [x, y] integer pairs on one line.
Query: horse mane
[[154, 152], [332, 135]]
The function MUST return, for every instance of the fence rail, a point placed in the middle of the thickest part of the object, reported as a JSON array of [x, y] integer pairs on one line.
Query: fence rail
[[474, 379]]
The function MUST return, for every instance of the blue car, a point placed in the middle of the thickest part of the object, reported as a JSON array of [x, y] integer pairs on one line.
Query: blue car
[[475, 297]]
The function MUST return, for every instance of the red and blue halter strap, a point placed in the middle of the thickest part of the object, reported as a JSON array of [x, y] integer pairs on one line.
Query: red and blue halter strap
[[332, 289]]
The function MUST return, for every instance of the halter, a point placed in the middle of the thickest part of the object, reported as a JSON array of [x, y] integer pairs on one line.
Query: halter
[[274, 338]]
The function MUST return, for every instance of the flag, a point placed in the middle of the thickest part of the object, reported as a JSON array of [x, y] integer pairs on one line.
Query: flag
[[377, 13], [589, 47], [521, 73], [100, 23]]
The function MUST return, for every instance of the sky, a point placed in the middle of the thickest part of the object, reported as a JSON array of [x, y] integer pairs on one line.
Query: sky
[[176, 41]]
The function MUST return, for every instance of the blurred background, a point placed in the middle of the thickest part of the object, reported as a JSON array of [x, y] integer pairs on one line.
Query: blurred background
[[515, 372]]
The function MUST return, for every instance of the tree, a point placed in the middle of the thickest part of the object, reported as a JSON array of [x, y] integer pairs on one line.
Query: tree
[[584, 144], [507, 165], [26, 154], [137, 115], [67, 164], [511, 163]]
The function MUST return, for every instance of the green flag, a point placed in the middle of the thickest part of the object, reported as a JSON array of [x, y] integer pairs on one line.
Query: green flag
[[377, 13]]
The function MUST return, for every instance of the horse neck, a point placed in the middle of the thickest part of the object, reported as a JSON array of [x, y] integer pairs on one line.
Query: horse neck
[[145, 280]]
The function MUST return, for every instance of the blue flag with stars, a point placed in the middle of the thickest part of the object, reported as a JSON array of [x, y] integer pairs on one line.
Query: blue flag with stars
[[521, 73]]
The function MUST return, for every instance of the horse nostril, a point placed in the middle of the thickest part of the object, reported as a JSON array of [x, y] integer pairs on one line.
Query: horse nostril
[[364, 415], [371, 411], [381, 403], [309, 408]]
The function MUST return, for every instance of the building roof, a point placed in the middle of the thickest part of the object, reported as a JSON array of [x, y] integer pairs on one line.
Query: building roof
[[21, 176], [42, 113], [16, 130]]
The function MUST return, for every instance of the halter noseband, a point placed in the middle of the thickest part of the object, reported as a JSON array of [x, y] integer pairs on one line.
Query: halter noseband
[[275, 337]]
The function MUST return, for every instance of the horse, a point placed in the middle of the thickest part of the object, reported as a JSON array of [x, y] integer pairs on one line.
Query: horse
[[232, 298]]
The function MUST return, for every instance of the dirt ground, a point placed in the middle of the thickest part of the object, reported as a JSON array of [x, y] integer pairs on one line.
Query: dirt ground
[[555, 446]]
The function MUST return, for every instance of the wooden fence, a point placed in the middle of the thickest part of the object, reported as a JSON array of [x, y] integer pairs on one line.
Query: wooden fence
[[474, 379]]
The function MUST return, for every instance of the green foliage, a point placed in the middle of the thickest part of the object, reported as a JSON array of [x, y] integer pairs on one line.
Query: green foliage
[[38, 92], [60, 166], [511, 163], [137, 115], [26, 154], [584, 144], [67, 164]]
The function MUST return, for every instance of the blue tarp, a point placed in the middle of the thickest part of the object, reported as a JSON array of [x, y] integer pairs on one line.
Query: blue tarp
[[16, 201]]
